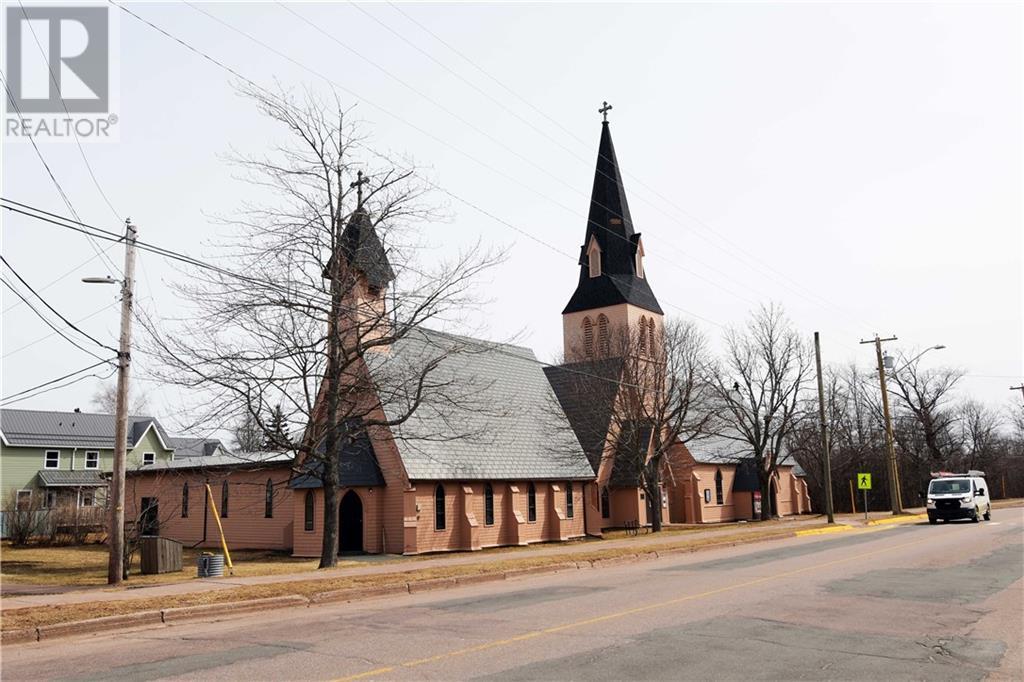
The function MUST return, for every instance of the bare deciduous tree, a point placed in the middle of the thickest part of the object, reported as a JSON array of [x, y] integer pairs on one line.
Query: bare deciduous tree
[[758, 388], [105, 400], [330, 282]]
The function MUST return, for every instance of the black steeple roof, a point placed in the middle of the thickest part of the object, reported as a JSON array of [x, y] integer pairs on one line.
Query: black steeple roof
[[610, 224], [364, 252]]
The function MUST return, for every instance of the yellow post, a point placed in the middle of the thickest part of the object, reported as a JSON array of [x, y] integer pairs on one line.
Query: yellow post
[[220, 529]]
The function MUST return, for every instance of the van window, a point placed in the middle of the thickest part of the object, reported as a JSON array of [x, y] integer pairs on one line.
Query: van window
[[944, 486]]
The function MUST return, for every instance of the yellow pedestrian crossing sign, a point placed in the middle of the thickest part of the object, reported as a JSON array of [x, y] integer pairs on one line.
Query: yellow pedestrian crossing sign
[[863, 481]]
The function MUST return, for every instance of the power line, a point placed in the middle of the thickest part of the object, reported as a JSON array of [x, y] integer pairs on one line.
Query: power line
[[47, 321], [62, 276], [9, 399], [52, 309], [43, 338]]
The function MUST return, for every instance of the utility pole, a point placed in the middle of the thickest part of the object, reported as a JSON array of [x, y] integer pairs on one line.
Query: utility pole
[[115, 567], [826, 461], [894, 491]]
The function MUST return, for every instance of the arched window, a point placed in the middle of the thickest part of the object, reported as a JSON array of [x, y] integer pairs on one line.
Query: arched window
[[224, 500], [588, 337], [184, 500], [594, 258], [569, 510], [531, 503], [268, 503], [439, 521], [310, 508], [602, 335], [643, 334], [488, 505], [719, 493], [651, 336], [606, 504]]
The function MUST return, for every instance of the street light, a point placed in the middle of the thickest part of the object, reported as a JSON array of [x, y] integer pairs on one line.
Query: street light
[[917, 357], [115, 564]]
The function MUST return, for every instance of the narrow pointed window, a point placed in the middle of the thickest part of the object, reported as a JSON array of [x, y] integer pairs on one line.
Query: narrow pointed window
[[184, 500], [606, 504], [588, 337], [308, 512], [594, 258], [643, 334], [268, 503], [488, 505], [224, 500], [569, 507], [719, 493], [603, 344], [651, 335], [439, 518], [531, 503]]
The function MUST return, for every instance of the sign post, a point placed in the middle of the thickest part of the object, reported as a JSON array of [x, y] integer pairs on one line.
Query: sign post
[[864, 483]]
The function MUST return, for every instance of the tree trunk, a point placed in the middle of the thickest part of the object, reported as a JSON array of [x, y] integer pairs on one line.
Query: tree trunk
[[766, 497], [654, 499], [329, 550]]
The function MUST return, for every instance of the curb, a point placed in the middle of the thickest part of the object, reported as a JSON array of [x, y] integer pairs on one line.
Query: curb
[[897, 519], [187, 613], [839, 528]]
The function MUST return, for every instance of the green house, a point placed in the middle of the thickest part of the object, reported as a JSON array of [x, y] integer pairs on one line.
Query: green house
[[67, 457]]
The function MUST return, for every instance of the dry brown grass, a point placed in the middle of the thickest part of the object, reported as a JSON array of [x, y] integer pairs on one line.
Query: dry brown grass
[[48, 615], [86, 565]]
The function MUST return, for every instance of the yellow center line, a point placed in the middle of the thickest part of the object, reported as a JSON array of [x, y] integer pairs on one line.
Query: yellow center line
[[622, 614]]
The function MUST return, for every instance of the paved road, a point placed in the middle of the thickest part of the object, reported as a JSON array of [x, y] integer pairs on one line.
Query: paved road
[[903, 602]]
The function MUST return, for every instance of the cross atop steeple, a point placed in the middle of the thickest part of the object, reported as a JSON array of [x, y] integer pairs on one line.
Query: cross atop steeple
[[358, 184], [604, 111]]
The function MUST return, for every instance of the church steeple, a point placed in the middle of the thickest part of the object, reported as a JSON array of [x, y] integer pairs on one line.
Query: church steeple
[[611, 270]]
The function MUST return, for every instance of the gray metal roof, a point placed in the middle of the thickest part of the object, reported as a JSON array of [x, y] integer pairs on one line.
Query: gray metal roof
[[195, 447], [40, 428], [224, 460], [498, 418], [53, 478]]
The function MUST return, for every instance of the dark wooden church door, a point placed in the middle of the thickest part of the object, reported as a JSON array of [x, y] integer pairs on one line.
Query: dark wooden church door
[[350, 523]]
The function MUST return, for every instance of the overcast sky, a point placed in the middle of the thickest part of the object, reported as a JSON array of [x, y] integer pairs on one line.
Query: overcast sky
[[861, 164]]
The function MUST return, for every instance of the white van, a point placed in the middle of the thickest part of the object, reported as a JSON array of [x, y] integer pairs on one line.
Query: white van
[[959, 496]]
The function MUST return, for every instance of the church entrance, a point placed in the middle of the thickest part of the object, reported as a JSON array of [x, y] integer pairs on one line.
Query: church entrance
[[350, 524]]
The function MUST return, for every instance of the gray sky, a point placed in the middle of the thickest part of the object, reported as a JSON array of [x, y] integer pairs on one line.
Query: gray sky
[[859, 163]]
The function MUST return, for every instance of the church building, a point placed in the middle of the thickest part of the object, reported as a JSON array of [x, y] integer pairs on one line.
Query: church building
[[540, 467]]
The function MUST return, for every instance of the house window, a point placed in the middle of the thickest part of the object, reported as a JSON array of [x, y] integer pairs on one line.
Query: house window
[[24, 500], [602, 335], [531, 503], [719, 493], [268, 503], [488, 505], [184, 500], [224, 500], [588, 337], [606, 504], [51, 460], [51, 499], [310, 502], [569, 511], [86, 498], [439, 521], [148, 458], [92, 460]]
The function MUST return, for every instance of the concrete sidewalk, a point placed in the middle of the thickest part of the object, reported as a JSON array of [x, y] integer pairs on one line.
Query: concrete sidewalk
[[377, 564]]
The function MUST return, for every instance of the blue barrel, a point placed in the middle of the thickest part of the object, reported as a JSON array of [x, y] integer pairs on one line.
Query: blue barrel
[[210, 565]]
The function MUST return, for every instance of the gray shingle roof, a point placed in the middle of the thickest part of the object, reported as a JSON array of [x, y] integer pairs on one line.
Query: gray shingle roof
[[195, 447], [52, 478], [41, 428], [498, 419], [225, 460]]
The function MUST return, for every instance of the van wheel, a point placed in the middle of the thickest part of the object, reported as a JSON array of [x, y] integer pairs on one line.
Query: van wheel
[[932, 520], [988, 514], [976, 516]]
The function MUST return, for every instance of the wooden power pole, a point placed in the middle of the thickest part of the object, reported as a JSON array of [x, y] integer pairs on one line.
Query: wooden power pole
[[115, 567], [826, 461], [891, 469]]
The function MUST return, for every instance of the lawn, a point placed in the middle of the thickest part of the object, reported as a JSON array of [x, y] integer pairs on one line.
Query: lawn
[[86, 565]]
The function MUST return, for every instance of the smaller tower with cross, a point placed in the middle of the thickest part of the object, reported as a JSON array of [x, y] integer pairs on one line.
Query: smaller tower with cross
[[605, 108]]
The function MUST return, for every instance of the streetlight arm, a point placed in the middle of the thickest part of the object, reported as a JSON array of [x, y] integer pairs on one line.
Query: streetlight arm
[[916, 358]]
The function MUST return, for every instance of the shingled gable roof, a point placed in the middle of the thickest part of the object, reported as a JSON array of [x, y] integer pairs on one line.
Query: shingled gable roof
[[40, 428], [508, 426], [610, 223], [364, 252], [586, 393], [357, 466]]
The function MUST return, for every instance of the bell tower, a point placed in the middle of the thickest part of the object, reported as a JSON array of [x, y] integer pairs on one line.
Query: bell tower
[[613, 292]]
